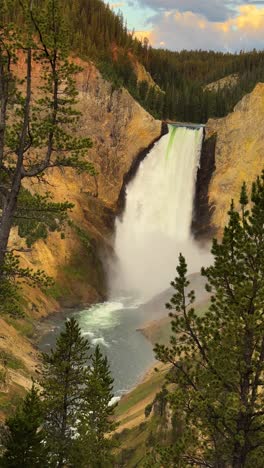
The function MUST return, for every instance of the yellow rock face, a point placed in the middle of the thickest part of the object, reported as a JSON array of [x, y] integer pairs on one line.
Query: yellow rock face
[[120, 129], [239, 153]]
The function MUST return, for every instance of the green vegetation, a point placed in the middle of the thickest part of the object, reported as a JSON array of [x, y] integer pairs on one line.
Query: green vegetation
[[24, 325], [85, 267], [140, 392], [217, 359], [37, 215], [97, 33], [63, 380], [69, 423], [56, 291], [11, 400], [160, 331], [135, 443], [101, 35], [96, 420], [9, 360], [209, 407], [24, 436], [183, 76], [36, 132], [83, 235]]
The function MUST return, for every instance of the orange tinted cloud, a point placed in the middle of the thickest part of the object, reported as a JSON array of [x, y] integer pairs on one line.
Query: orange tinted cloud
[[179, 30], [116, 5], [250, 17], [142, 34]]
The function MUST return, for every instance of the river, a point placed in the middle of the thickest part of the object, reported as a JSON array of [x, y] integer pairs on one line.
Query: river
[[114, 326]]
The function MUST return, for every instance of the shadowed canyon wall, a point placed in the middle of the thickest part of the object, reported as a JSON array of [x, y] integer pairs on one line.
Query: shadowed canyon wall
[[233, 152]]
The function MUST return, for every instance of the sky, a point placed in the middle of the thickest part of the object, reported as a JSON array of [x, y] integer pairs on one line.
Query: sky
[[227, 25]]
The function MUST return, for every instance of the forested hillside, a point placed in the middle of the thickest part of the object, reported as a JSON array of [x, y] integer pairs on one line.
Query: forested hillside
[[101, 35], [183, 75]]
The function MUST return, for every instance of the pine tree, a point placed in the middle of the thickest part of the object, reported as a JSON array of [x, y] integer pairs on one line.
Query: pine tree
[[64, 379], [36, 127], [24, 444], [94, 445], [218, 358]]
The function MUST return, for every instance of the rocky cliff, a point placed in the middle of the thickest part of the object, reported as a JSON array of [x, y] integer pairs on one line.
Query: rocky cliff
[[120, 130], [229, 81], [233, 152]]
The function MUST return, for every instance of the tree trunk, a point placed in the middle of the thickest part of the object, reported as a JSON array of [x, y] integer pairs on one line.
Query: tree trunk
[[6, 222], [65, 411], [240, 452], [239, 459], [11, 199]]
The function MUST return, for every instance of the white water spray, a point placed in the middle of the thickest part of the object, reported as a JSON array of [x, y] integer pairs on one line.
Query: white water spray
[[156, 222]]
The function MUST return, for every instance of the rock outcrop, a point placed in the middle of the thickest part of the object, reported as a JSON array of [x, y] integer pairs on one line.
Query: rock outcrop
[[119, 127], [229, 81], [239, 154], [141, 73], [120, 130]]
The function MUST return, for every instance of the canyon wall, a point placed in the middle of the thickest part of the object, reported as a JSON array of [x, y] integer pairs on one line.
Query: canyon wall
[[120, 130], [233, 152]]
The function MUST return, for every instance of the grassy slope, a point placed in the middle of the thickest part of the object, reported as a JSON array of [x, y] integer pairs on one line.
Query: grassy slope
[[130, 411], [135, 430]]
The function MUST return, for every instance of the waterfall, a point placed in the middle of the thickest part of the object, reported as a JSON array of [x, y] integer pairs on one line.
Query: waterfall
[[156, 223]]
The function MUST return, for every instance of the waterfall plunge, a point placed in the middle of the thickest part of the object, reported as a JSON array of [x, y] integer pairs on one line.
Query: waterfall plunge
[[156, 223]]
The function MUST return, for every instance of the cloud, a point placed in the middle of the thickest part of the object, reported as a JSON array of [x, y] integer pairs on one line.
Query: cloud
[[213, 10], [187, 30], [141, 35], [116, 5]]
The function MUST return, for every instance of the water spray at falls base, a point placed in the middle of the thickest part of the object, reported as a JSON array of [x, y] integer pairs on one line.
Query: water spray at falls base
[[156, 223]]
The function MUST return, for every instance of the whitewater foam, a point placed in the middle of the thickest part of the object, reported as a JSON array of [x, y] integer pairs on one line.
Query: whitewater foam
[[100, 340]]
